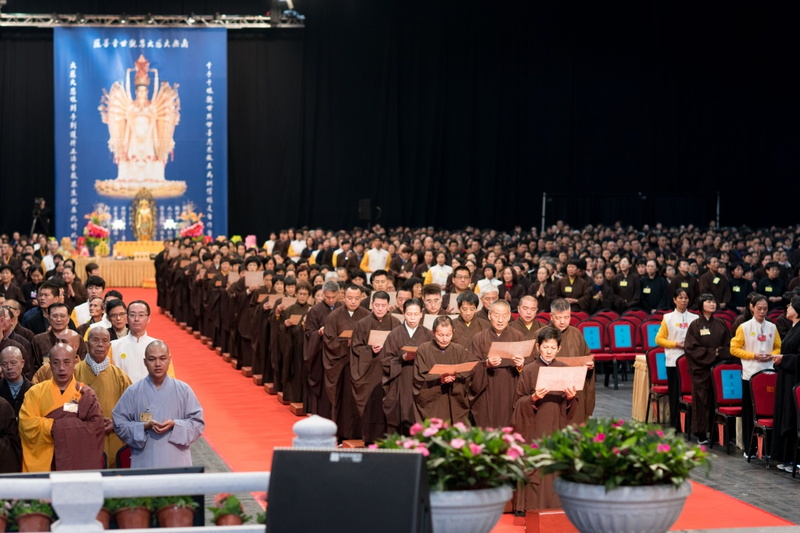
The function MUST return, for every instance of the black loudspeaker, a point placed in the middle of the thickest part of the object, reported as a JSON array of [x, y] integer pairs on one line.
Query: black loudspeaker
[[365, 209], [348, 490]]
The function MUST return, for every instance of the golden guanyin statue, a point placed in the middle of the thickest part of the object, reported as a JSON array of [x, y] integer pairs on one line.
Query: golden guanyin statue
[[141, 130], [143, 212]]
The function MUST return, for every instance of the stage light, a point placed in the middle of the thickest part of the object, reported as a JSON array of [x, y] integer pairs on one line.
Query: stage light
[[123, 19], [170, 224], [118, 224], [150, 19], [190, 20], [80, 18]]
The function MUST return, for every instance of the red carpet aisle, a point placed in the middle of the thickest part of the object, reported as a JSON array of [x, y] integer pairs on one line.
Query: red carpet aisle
[[243, 424]]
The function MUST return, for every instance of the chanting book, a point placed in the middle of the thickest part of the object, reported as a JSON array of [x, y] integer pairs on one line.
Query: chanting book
[[558, 378], [377, 337], [294, 320], [441, 369], [576, 361], [509, 350], [346, 334], [254, 279]]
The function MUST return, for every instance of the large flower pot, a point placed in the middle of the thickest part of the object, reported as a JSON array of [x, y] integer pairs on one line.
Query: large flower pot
[[651, 509], [228, 520], [104, 517], [175, 516], [3, 522], [468, 511], [133, 518], [33, 522]]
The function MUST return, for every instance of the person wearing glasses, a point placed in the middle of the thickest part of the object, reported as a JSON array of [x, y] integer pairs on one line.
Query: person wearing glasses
[[117, 314], [128, 352]]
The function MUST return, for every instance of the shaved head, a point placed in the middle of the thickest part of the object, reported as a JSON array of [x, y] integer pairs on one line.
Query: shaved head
[[70, 337]]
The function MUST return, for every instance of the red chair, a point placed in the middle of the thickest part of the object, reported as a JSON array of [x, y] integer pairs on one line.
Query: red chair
[[594, 333], [796, 395], [612, 315], [657, 375], [581, 315], [648, 332], [573, 321], [543, 317], [638, 313], [727, 382], [658, 315], [124, 457], [602, 319], [622, 344], [762, 393], [685, 398]]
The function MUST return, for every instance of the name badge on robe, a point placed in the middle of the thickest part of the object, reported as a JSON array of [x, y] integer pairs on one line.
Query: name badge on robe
[[623, 283], [737, 289], [71, 407], [767, 289], [145, 417], [761, 338], [716, 280], [646, 290], [705, 331], [684, 284], [567, 289]]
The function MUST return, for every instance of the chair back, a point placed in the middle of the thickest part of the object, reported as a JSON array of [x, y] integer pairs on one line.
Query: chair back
[[581, 315], [612, 315], [543, 317], [638, 313], [727, 382], [574, 321], [124, 457], [684, 377], [657, 366], [594, 333], [649, 331], [762, 393], [622, 336]]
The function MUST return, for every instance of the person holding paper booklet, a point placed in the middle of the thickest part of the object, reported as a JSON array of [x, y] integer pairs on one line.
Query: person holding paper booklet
[[671, 336], [539, 411], [440, 385], [468, 324], [707, 342], [495, 378], [574, 345], [337, 335], [289, 335], [286, 289], [400, 350], [316, 400], [366, 366], [262, 300]]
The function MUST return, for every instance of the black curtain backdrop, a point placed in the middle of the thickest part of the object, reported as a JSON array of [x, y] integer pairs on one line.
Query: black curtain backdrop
[[463, 113]]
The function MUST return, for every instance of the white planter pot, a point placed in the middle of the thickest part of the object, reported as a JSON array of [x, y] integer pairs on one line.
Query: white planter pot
[[623, 510], [468, 511]]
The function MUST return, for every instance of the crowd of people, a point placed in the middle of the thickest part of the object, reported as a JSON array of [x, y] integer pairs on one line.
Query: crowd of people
[[351, 323], [83, 386], [379, 329]]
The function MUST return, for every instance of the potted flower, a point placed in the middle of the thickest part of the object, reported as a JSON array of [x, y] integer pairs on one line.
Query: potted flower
[[471, 471], [130, 513], [174, 511], [619, 476], [228, 510], [5, 507], [31, 515]]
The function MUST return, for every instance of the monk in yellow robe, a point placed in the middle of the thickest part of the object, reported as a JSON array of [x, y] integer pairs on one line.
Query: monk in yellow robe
[[60, 422], [108, 382]]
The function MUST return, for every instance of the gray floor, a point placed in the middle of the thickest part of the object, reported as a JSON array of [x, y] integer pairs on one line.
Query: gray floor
[[773, 491]]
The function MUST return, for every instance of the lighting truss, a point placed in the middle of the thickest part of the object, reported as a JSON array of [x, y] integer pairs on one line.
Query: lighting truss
[[43, 20]]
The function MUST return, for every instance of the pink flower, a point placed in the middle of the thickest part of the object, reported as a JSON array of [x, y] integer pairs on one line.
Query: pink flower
[[507, 429], [660, 433], [514, 451], [437, 422], [534, 445], [475, 448], [458, 443], [519, 437], [220, 498], [416, 428], [410, 443], [615, 450], [372, 447], [600, 437], [460, 426], [423, 450], [702, 448], [429, 432], [509, 438], [618, 423], [663, 448]]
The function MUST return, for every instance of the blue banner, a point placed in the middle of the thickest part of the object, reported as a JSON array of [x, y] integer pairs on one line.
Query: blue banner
[[141, 131]]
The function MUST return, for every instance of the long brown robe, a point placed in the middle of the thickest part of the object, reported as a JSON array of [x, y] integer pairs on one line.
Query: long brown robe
[[535, 420], [492, 389], [529, 332], [366, 370], [463, 332], [574, 345], [316, 401], [336, 360], [398, 378], [255, 351], [10, 447], [78, 438], [432, 398], [290, 347], [549, 294], [577, 289], [707, 343]]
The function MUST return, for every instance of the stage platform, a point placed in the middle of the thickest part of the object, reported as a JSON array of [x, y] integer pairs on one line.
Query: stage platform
[[120, 272]]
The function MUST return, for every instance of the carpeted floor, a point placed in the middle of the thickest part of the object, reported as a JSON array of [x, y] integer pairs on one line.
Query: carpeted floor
[[243, 424]]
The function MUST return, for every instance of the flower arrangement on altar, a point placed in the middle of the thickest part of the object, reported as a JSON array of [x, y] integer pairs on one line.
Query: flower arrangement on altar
[[190, 224], [96, 232], [616, 453], [461, 457]]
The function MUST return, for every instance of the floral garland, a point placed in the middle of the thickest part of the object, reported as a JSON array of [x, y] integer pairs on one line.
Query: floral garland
[[96, 232], [190, 224]]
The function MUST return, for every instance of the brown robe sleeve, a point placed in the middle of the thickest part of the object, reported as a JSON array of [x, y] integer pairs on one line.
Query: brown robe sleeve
[[78, 437]]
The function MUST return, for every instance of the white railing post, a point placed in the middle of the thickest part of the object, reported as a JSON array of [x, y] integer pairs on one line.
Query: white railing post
[[77, 498], [315, 432]]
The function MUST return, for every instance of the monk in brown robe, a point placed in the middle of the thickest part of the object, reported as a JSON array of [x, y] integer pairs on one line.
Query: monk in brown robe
[[574, 345], [366, 367], [574, 288], [468, 323], [495, 379], [316, 400], [442, 396], [336, 360], [539, 412], [260, 314], [526, 323], [398, 368], [290, 344]]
